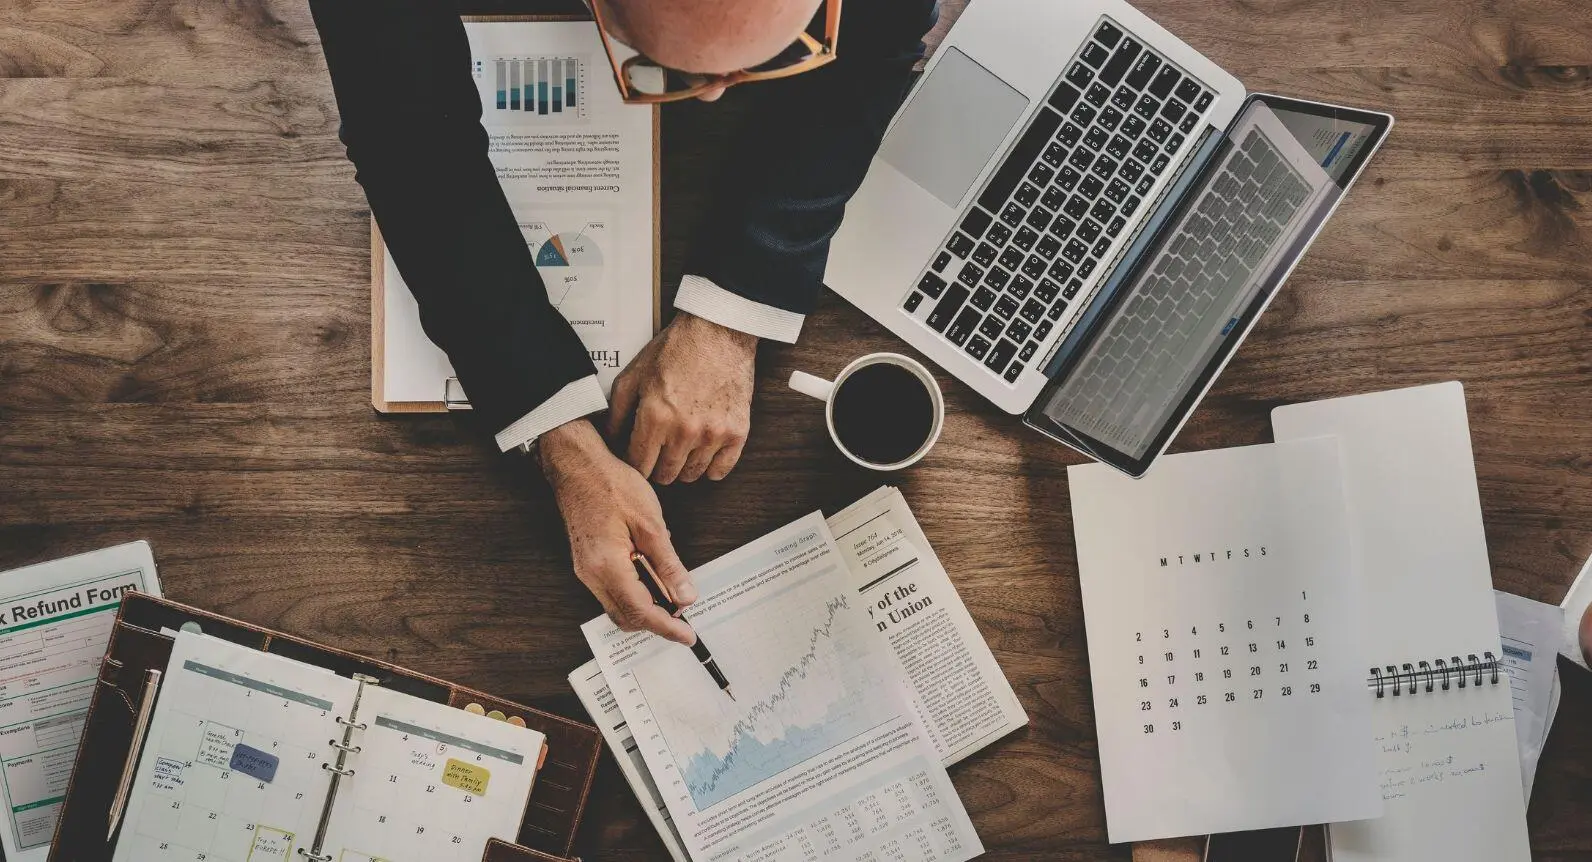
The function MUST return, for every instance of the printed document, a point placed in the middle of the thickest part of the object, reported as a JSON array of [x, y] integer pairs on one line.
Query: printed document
[[1529, 630], [958, 691], [821, 752], [1223, 613], [55, 623], [576, 164]]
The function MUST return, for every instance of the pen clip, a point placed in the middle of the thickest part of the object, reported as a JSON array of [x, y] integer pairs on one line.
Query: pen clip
[[655, 585]]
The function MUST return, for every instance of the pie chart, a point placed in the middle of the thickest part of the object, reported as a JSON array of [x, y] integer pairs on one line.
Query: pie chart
[[566, 249]]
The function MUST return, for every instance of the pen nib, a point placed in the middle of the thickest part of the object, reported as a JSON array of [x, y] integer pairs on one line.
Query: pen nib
[[731, 694]]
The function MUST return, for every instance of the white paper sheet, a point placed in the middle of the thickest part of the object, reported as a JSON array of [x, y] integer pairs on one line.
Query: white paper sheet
[[1529, 630], [55, 623], [1224, 622], [579, 178], [1448, 762], [820, 753]]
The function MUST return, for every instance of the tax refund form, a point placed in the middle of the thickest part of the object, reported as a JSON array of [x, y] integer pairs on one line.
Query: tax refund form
[[55, 622]]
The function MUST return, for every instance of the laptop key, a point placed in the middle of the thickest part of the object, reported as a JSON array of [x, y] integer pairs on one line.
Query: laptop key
[[1019, 287], [1060, 270], [1033, 311], [1041, 174], [984, 255], [1131, 171], [999, 234], [931, 284], [1027, 193], [947, 307], [1054, 155], [1096, 139], [1119, 148], [1190, 120], [1160, 130], [1116, 226], [1105, 167], [1062, 227], [1159, 165], [1083, 115], [965, 323], [1069, 134], [913, 301], [1101, 247], [1146, 107], [1000, 356], [1143, 71], [976, 222], [1173, 110], [1028, 147], [1089, 230], [1165, 81], [983, 298], [1204, 101], [1012, 215], [1072, 288], [1189, 90], [1090, 186], [1145, 182], [1080, 75], [1043, 329], [959, 245], [1005, 307], [1053, 197], [1108, 34], [1047, 291], [942, 261], [1134, 126], [1075, 251], [1109, 118], [977, 347], [1049, 246], [1019, 330], [1120, 62], [992, 327], [1076, 207], [1145, 151], [1064, 97], [1056, 310], [1028, 351], [970, 274], [997, 278], [1117, 191], [1095, 54], [1011, 258], [1174, 142], [1097, 94], [1014, 372], [1081, 159], [1086, 268], [1034, 267], [1025, 239]]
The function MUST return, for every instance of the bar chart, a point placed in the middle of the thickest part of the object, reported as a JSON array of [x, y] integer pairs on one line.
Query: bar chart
[[551, 87]]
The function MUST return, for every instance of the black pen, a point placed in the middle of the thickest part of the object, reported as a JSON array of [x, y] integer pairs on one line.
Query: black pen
[[660, 597]]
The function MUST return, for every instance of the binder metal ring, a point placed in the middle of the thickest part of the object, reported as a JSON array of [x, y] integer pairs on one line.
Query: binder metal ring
[[1393, 674], [1492, 662], [351, 749], [317, 857], [1376, 677], [1442, 668], [347, 773], [1427, 669], [1475, 666], [1459, 669], [1409, 672], [363, 726]]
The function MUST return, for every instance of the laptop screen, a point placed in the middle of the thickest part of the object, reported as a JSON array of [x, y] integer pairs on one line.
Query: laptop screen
[[1159, 330]]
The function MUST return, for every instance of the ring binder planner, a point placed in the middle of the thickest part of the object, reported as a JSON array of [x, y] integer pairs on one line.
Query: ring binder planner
[[340, 770], [1404, 675]]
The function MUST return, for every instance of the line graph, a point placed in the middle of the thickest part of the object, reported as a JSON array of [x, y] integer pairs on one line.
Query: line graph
[[805, 685]]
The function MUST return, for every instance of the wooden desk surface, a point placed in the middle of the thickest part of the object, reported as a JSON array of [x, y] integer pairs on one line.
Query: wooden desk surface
[[184, 357]]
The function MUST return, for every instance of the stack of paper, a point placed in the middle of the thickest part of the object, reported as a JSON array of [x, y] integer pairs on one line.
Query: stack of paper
[[858, 676]]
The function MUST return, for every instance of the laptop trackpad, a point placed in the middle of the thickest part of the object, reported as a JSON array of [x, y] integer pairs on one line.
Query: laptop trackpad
[[952, 127]]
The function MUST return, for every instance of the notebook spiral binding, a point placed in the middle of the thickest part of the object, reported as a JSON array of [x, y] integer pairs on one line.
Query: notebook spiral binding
[[340, 769], [1408, 679]]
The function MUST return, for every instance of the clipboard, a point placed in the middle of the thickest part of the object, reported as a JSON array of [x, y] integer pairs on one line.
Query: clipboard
[[450, 394], [137, 646]]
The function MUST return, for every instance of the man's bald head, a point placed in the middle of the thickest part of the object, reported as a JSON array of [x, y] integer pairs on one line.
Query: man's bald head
[[710, 36]]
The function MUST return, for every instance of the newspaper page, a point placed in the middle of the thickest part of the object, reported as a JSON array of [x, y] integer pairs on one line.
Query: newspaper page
[[957, 688], [576, 164], [819, 752]]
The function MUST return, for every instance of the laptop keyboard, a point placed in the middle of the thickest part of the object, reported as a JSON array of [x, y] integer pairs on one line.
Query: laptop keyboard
[[1165, 327], [1056, 205]]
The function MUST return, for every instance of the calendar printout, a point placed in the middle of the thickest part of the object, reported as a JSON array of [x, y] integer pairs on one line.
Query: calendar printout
[[1223, 615], [431, 783], [232, 767]]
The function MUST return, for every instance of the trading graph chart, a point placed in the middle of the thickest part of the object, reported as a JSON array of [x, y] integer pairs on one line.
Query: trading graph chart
[[801, 691]]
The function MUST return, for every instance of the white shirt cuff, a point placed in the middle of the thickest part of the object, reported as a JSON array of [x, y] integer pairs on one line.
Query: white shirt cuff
[[582, 397], [708, 301]]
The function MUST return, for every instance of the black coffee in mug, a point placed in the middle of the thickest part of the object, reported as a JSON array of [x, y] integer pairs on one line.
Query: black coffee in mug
[[883, 413]]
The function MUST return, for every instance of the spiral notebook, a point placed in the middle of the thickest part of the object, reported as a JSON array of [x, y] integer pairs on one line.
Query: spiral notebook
[[1447, 758], [253, 756]]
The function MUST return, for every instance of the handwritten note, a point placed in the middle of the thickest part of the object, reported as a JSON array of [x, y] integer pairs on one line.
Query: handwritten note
[[254, 763], [168, 774], [1417, 756], [468, 777]]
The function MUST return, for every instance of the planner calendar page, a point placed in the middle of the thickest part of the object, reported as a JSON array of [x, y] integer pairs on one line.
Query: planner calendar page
[[232, 766], [430, 783], [1222, 611]]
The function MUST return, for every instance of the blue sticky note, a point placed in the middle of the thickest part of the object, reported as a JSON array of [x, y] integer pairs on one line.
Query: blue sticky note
[[254, 763]]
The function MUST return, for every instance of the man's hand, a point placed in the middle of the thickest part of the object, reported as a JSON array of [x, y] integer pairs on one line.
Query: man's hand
[[610, 511], [690, 391]]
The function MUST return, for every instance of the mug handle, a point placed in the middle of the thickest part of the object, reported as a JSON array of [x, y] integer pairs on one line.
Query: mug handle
[[813, 387]]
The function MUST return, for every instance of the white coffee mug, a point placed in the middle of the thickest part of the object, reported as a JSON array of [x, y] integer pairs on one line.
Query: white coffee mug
[[824, 390]]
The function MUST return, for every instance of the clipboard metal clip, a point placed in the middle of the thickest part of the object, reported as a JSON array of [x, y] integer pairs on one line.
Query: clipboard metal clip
[[453, 396]]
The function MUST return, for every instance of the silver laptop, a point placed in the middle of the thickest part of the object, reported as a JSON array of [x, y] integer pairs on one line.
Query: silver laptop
[[1081, 217]]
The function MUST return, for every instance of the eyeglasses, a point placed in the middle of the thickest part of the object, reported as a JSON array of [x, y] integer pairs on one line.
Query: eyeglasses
[[643, 81]]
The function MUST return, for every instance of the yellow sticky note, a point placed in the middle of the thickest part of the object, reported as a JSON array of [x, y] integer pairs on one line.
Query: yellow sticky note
[[466, 776]]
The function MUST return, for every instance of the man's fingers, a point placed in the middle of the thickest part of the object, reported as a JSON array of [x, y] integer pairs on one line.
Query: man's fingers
[[660, 552], [621, 405], [634, 611], [697, 462], [670, 461], [646, 444], [725, 461]]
